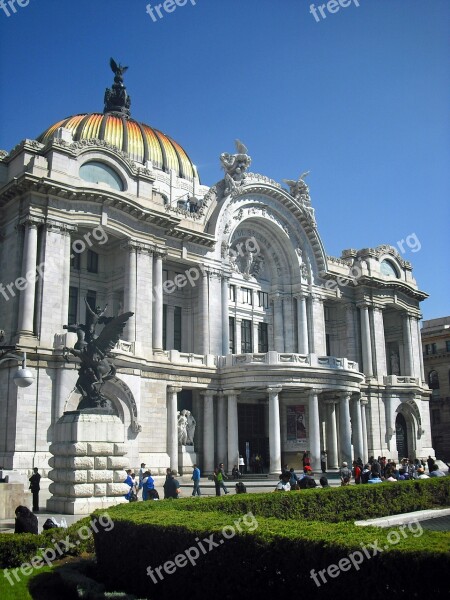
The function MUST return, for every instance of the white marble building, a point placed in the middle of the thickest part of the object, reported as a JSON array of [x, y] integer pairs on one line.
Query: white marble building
[[240, 315]]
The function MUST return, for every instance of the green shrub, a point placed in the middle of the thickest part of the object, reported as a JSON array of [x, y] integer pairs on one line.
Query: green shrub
[[16, 549], [297, 532]]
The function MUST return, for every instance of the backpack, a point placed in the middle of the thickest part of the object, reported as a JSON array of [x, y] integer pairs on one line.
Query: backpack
[[150, 483]]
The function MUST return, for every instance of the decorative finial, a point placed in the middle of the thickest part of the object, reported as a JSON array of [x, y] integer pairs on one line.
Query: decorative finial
[[116, 98]]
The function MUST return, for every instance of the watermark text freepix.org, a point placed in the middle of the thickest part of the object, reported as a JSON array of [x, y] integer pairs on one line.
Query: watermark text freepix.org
[[332, 6], [355, 559], [202, 547], [168, 6], [59, 548]]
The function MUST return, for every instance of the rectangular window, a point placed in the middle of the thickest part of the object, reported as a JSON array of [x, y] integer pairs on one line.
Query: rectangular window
[[447, 345], [232, 293], [165, 275], [75, 262], [247, 296], [91, 298], [73, 305], [435, 416], [246, 336], [263, 299], [231, 335], [326, 313], [327, 341], [164, 326], [433, 349], [92, 261], [177, 328], [263, 338]]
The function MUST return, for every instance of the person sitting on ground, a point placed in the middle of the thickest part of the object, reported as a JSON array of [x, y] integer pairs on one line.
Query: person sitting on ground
[[402, 475], [283, 485], [240, 488], [26, 521], [50, 523], [293, 479], [421, 473], [436, 472], [345, 474], [375, 479], [324, 482], [235, 473], [308, 480]]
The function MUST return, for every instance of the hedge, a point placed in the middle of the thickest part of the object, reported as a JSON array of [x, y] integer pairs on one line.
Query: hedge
[[278, 555], [17, 549]]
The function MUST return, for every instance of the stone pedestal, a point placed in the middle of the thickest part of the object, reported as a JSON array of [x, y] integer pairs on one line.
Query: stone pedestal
[[11, 496], [88, 463], [187, 458]]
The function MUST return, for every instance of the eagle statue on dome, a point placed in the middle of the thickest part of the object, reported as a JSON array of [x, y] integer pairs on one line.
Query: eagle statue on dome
[[116, 98], [117, 69]]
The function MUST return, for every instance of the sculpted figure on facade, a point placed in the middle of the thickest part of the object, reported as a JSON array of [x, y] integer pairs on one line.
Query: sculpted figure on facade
[[182, 428], [191, 425], [300, 191], [235, 167]]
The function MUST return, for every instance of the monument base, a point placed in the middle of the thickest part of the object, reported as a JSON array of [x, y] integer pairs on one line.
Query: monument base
[[187, 458], [88, 463]]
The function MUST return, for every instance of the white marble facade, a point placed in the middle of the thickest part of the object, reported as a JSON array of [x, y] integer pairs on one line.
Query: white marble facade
[[240, 316]]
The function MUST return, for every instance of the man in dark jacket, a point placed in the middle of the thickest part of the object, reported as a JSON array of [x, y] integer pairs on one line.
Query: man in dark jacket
[[35, 488], [307, 481], [171, 486]]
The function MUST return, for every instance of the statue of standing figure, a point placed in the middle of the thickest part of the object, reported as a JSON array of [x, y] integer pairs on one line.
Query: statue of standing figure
[[182, 428], [191, 425]]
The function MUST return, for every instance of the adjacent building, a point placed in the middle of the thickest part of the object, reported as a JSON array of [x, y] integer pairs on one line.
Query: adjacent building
[[436, 356], [240, 316]]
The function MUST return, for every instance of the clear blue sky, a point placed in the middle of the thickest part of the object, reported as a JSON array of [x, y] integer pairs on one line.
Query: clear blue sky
[[359, 98]]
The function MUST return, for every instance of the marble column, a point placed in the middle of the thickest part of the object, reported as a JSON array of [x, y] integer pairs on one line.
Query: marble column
[[364, 403], [419, 337], [274, 429], [255, 336], [407, 345], [358, 442], [158, 302], [27, 294], [331, 428], [379, 342], [172, 426], [221, 428], [352, 346], [144, 301], [130, 291], [233, 435], [208, 431], [366, 341], [65, 283], [288, 324], [203, 320], [225, 317], [314, 430], [302, 325], [278, 339], [318, 345], [345, 436]]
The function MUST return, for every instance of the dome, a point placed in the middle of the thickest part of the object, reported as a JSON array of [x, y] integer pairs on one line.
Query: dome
[[141, 142]]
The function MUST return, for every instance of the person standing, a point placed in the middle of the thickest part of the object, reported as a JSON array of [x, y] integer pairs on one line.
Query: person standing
[[171, 486], [306, 460], [196, 479], [222, 476], [141, 475], [148, 484], [241, 464], [323, 461], [35, 487]]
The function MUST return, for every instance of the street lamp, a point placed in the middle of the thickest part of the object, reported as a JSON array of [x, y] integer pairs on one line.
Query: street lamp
[[23, 377]]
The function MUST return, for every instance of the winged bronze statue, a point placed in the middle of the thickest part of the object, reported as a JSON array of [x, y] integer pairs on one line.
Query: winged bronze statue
[[96, 366], [117, 69]]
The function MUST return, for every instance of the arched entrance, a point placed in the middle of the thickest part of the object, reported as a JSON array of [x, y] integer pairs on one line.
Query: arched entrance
[[402, 436]]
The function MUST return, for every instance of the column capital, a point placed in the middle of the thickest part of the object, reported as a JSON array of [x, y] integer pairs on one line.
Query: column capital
[[31, 221], [330, 401], [173, 389], [230, 392], [364, 304], [274, 390], [208, 392], [276, 297], [364, 401], [64, 228], [345, 396]]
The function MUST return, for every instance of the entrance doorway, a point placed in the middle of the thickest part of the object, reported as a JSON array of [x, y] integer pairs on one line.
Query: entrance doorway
[[252, 431], [402, 436]]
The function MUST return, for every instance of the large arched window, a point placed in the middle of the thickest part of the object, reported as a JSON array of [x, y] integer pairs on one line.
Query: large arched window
[[388, 269], [97, 172], [433, 380]]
